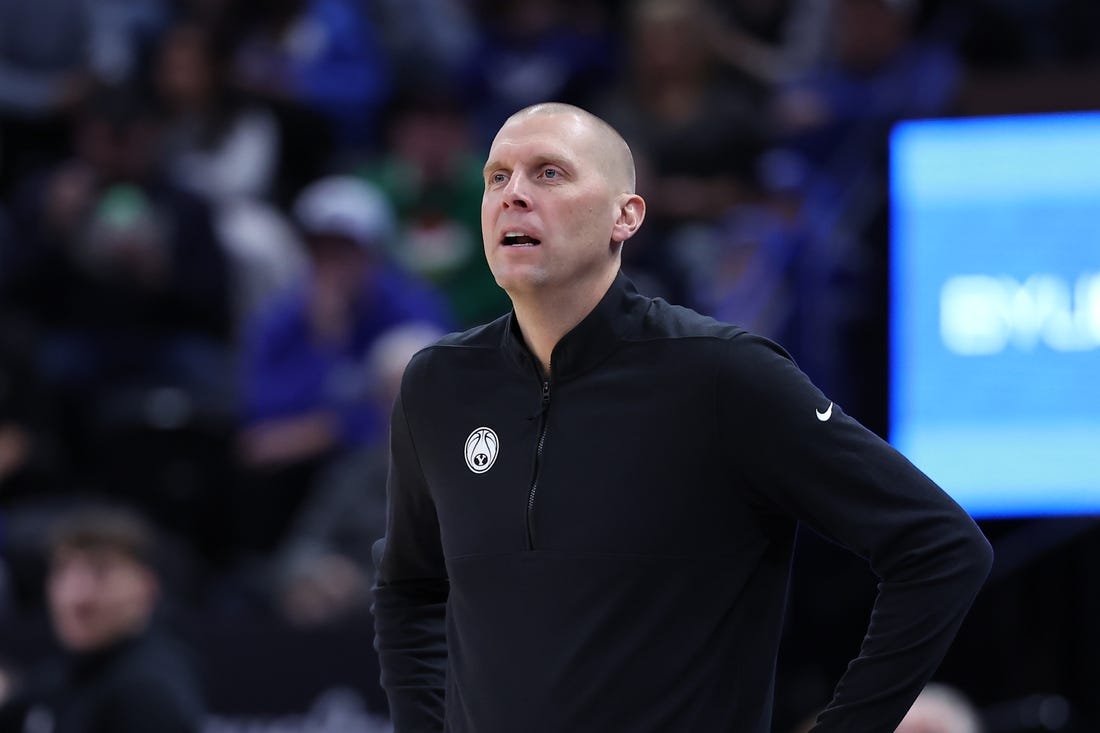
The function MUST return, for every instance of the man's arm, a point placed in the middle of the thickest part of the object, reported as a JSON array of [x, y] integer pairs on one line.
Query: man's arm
[[803, 457], [410, 596]]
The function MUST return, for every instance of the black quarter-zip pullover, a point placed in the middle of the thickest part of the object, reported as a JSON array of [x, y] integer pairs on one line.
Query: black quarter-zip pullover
[[622, 562]]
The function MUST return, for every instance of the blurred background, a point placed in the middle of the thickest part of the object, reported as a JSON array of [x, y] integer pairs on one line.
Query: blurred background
[[225, 226]]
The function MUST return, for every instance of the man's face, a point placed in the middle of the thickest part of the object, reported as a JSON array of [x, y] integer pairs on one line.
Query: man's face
[[97, 596], [548, 212]]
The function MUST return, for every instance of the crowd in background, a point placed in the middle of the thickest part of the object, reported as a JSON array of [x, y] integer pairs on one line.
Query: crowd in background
[[225, 226]]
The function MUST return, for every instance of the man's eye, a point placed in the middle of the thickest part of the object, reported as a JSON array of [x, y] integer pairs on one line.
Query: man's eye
[[497, 178], [550, 173]]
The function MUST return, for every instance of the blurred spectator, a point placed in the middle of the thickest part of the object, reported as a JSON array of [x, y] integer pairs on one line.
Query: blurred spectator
[[123, 268], [694, 139], [28, 460], [123, 35], [324, 570], [743, 271], [127, 286], [432, 174], [537, 50], [216, 144], [51, 53], [226, 149], [878, 69], [885, 63], [767, 41], [429, 41], [324, 55], [305, 391], [1022, 34], [941, 709], [266, 255], [117, 672], [30, 463], [44, 72]]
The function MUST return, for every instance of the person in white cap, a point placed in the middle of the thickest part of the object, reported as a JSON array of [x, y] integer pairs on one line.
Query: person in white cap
[[305, 392]]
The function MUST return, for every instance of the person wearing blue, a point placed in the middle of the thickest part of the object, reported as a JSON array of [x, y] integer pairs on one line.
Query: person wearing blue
[[306, 393]]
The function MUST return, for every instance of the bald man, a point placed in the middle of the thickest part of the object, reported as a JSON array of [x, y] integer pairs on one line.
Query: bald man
[[593, 499]]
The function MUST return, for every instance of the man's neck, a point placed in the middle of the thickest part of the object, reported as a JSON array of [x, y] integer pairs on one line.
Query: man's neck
[[544, 318]]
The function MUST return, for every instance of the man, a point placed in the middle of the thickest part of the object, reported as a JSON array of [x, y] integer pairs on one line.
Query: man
[[593, 499], [117, 675]]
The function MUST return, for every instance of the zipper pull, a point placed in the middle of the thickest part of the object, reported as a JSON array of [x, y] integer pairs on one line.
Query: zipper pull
[[545, 400]]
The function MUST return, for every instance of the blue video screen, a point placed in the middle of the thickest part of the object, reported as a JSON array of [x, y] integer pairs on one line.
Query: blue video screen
[[995, 309]]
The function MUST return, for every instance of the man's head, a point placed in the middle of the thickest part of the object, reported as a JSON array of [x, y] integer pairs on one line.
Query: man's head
[[559, 201], [101, 585]]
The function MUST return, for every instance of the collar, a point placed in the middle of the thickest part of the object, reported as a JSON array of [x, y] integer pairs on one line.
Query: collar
[[618, 315], [93, 661]]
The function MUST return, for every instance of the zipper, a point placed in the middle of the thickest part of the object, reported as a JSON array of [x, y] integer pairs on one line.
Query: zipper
[[538, 461]]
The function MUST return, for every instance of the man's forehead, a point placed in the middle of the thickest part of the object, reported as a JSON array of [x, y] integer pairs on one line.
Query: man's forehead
[[559, 134], [539, 151]]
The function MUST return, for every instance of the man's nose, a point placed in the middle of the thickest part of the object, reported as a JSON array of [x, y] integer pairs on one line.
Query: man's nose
[[515, 193]]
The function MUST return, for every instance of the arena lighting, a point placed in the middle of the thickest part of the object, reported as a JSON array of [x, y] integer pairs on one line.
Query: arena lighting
[[995, 309]]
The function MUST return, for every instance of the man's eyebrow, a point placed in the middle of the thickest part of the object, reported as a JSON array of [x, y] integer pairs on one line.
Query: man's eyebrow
[[492, 165], [538, 160], [550, 159]]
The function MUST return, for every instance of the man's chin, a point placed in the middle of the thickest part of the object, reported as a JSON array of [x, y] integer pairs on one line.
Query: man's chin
[[522, 280]]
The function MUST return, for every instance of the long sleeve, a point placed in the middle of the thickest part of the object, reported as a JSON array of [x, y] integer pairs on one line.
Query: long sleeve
[[410, 596], [802, 457]]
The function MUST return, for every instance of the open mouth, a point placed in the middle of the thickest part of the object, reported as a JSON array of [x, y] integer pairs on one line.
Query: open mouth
[[519, 239]]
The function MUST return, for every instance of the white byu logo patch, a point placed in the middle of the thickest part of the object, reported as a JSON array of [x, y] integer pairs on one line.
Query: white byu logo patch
[[481, 450]]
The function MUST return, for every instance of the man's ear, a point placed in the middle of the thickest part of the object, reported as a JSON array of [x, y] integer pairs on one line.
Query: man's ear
[[631, 216]]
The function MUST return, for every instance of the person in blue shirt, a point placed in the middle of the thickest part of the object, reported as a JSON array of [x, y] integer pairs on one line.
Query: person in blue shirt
[[305, 392]]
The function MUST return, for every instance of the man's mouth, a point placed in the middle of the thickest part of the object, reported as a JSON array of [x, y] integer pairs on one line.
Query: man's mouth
[[519, 239]]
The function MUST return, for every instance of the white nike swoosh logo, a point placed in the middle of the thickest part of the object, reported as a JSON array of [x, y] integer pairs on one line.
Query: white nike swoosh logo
[[823, 416]]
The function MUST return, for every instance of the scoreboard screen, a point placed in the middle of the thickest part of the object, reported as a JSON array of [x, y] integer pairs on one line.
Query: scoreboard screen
[[995, 309]]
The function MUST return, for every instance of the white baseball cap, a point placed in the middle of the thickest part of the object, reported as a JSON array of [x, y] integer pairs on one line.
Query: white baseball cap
[[345, 206]]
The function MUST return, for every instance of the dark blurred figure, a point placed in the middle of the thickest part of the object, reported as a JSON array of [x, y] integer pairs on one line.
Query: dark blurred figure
[[127, 287], [321, 64], [1025, 36], [31, 464], [324, 570], [884, 62], [51, 55], [217, 144], [28, 454], [225, 148], [743, 270], [533, 50], [116, 673], [694, 138], [431, 172], [767, 41], [305, 391], [429, 41], [44, 73]]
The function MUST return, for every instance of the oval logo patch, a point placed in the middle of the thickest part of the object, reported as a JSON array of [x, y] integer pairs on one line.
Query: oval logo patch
[[481, 450]]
